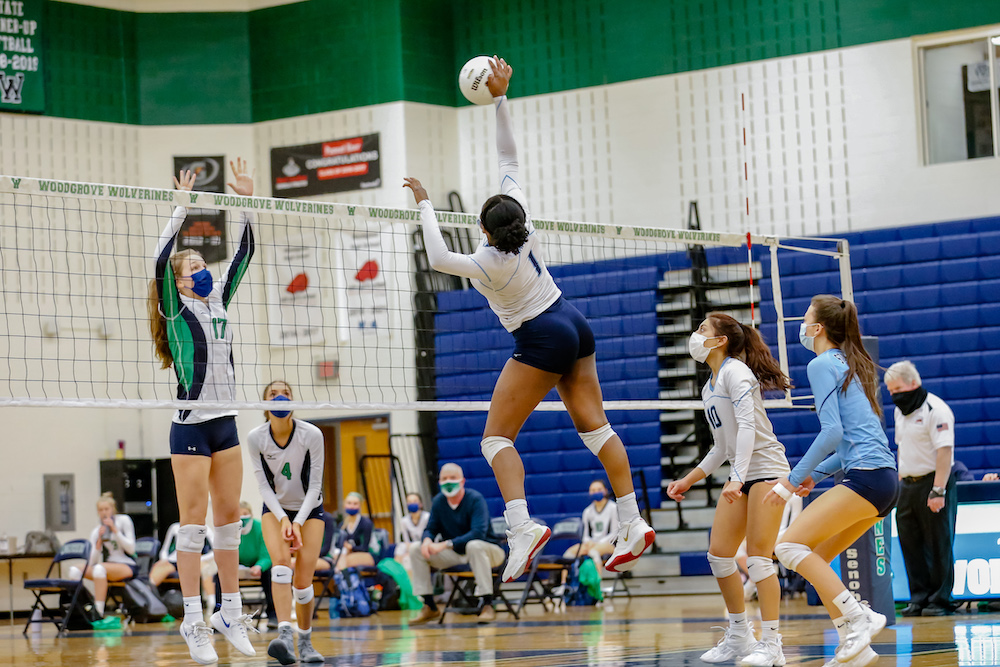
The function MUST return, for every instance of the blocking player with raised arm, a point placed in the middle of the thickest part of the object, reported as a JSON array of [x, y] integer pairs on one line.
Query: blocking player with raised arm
[[287, 455], [844, 382], [742, 368], [553, 347], [191, 332]]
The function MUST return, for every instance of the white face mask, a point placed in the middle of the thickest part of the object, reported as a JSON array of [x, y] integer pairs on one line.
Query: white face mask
[[808, 342], [697, 349]]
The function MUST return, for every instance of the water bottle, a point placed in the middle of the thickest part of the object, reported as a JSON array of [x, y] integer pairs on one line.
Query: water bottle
[[334, 608], [3, 544]]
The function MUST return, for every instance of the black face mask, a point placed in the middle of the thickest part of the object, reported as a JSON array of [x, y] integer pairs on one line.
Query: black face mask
[[908, 401]]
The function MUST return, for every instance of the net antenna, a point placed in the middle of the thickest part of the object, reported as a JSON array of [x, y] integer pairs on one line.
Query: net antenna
[[338, 301]]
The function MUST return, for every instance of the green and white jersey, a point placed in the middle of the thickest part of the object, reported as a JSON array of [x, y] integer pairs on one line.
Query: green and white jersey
[[199, 334], [600, 526], [290, 477]]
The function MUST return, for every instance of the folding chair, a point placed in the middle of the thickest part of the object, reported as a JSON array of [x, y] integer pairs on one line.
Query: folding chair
[[71, 588], [546, 569], [464, 583]]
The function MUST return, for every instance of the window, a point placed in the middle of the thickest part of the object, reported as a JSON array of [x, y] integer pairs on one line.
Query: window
[[961, 114]]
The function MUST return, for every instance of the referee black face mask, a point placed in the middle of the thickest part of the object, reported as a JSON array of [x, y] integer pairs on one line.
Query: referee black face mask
[[908, 401]]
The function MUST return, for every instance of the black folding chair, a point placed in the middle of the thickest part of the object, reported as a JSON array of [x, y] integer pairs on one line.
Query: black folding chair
[[545, 573], [72, 593], [463, 598]]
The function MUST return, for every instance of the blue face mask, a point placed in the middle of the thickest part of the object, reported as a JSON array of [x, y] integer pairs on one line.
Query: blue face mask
[[281, 414], [202, 283], [597, 497], [352, 511], [413, 508]]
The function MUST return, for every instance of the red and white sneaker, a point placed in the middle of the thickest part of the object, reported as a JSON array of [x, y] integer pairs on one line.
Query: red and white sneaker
[[524, 542], [634, 538]]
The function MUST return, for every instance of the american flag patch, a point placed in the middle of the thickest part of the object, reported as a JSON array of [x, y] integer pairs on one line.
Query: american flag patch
[[942, 427]]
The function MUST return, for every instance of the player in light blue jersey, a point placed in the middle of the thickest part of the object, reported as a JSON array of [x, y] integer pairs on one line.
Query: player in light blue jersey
[[845, 385]]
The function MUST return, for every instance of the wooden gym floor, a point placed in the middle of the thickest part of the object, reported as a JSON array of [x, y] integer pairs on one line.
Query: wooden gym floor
[[664, 631]]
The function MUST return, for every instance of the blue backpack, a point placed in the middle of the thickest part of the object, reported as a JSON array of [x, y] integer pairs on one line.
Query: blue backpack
[[354, 600]]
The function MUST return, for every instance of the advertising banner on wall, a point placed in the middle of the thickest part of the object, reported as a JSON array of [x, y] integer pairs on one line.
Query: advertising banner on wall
[[323, 168], [22, 79], [204, 230], [295, 313]]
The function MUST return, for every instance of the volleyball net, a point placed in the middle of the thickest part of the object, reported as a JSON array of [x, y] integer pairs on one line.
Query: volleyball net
[[339, 302]]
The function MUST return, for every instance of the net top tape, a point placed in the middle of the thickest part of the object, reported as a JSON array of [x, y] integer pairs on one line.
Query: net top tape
[[319, 209]]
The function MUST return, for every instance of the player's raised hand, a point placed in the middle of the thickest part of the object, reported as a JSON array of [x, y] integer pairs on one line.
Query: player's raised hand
[[500, 78], [419, 193], [187, 179], [244, 180]]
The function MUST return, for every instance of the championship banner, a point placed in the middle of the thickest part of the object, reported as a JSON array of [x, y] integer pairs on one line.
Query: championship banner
[[22, 79], [204, 230], [331, 166]]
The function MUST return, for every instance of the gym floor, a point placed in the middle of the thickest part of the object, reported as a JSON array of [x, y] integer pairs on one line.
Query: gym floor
[[662, 631]]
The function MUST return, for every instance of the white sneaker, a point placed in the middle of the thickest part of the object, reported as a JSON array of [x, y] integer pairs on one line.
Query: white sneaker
[[862, 629], [731, 647], [864, 659], [766, 653], [235, 631], [634, 538], [524, 542], [199, 640]]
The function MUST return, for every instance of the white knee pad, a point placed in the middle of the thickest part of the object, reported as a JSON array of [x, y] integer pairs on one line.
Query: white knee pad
[[722, 567], [191, 538], [75, 573], [227, 538], [99, 572], [303, 595], [281, 574], [791, 554], [595, 439], [759, 568], [492, 445]]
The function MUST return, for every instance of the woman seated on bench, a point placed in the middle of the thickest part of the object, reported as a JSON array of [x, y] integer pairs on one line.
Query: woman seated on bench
[[354, 540]]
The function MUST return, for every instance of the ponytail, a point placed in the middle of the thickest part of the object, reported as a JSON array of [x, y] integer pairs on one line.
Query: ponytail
[[504, 219], [158, 327], [747, 343], [840, 321]]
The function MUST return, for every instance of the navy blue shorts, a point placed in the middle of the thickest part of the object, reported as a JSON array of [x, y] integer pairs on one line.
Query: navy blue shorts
[[317, 512], [205, 438], [555, 339], [880, 487]]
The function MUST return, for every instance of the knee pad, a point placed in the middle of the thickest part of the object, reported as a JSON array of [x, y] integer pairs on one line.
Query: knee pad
[[99, 572], [722, 567], [227, 537], [492, 445], [191, 538], [303, 595], [281, 574], [791, 554], [75, 573], [759, 568], [595, 439]]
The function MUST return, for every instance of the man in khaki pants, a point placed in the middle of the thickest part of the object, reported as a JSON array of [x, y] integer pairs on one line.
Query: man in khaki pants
[[461, 519]]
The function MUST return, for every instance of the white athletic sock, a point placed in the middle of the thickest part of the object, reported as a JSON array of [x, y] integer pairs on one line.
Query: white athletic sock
[[232, 605], [210, 602], [847, 605], [738, 623], [628, 508], [306, 634], [99, 606], [841, 625], [192, 610], [517, 512], [284, 624], [769, 629]]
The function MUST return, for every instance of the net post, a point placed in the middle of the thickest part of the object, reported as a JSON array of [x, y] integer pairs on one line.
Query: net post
[[846, 281], [779, 310]]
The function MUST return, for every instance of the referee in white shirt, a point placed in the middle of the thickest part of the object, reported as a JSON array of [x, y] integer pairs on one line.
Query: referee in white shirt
[[925, 515]]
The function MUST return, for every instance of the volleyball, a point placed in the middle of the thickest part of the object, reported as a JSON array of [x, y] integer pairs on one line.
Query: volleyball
[[472, 80]]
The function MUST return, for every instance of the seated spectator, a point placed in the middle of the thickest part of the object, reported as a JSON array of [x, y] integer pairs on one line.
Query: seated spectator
[[411, 528], [255, 563], [328, 551], [112, 553], [166, 566], [355, 538], [600, 527], [461, 519]]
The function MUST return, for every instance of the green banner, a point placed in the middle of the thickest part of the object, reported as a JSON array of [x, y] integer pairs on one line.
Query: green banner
[[22, 84]]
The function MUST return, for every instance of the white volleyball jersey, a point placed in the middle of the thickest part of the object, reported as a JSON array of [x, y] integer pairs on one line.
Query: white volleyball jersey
[[289, 477], [600, 526], [734, 409], [517, 286], [119, 547], [413, 532], [199, 333]]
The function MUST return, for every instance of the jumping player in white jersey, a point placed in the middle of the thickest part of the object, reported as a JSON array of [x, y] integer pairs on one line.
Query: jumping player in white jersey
[[553, 347], [742, 366], [191, 332], [287, 456]]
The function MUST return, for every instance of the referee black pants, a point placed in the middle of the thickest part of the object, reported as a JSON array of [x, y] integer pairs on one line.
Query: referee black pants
[[926, 539]]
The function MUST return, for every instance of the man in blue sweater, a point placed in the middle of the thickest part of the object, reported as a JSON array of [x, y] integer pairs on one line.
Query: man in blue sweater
[[461, 519]]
